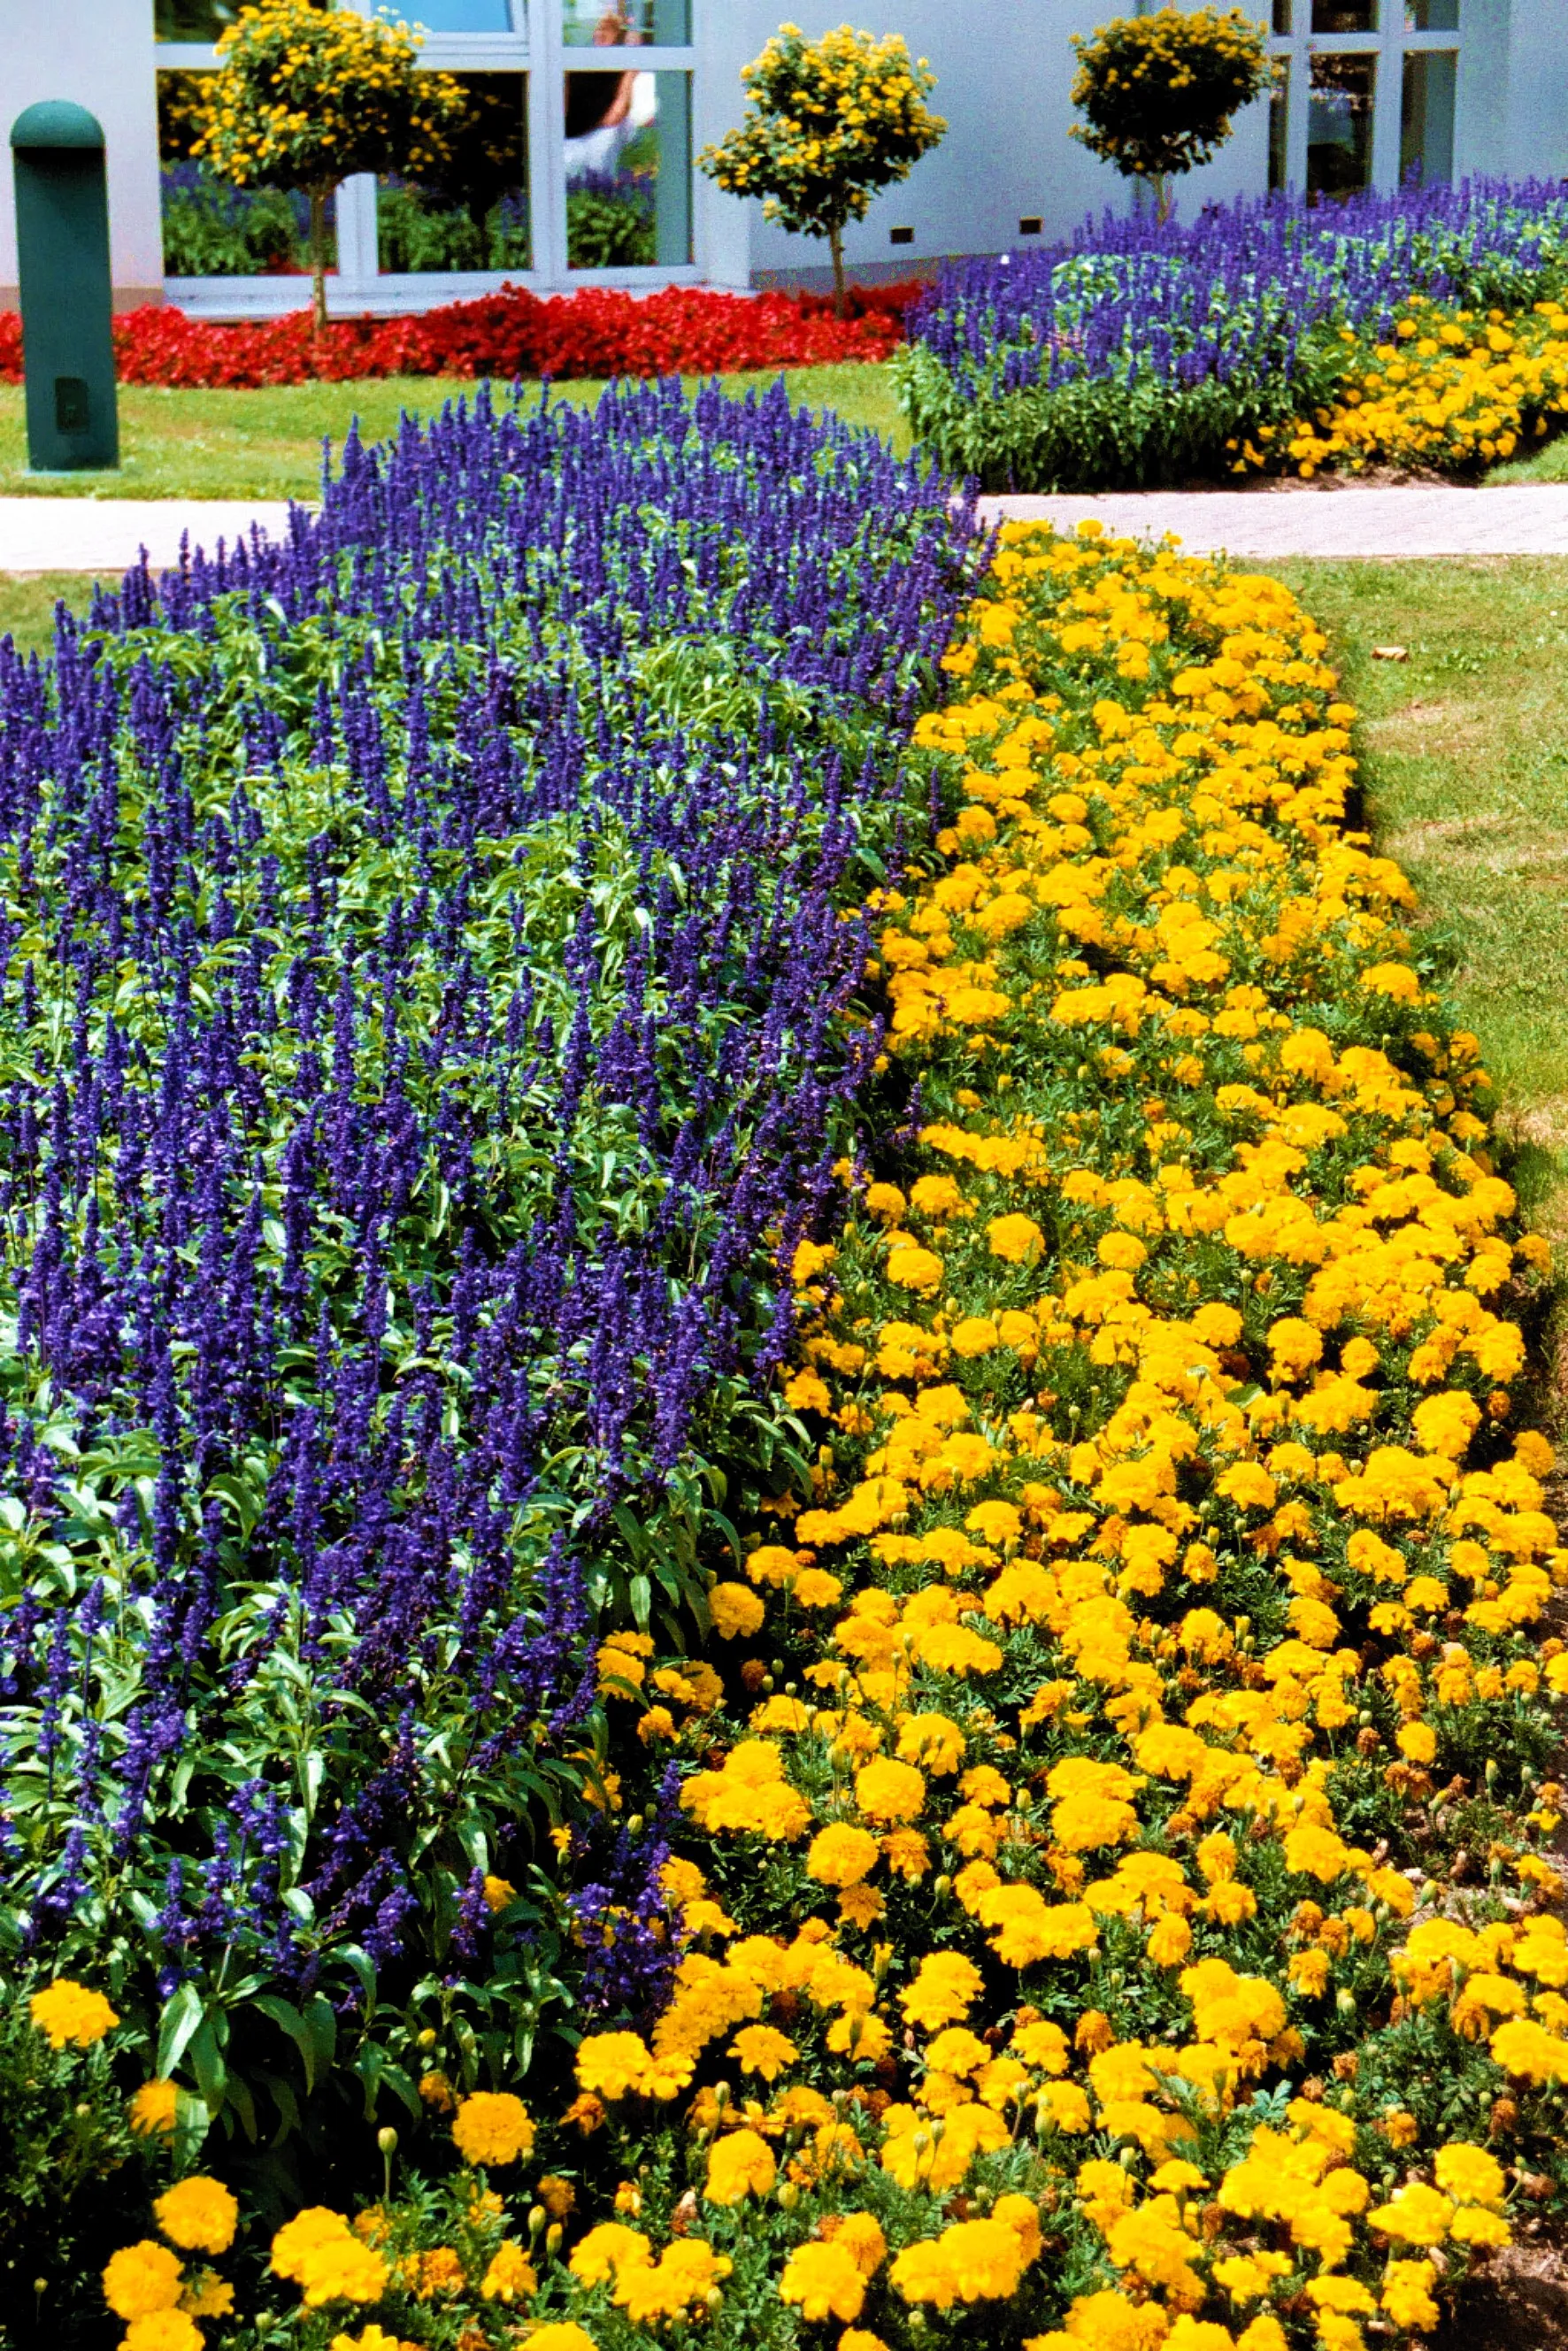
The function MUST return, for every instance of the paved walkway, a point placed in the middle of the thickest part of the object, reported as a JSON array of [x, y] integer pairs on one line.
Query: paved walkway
[[107, 535], [1529, 518]]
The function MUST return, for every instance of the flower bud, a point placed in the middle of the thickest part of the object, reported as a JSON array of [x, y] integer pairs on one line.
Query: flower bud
[[386, 2139]]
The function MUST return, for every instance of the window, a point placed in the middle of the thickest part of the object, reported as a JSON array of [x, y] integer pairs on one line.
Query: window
[[211, 230], [473, 214], [573, 157], [1371, 95], [1427, 115], [1338, 123]]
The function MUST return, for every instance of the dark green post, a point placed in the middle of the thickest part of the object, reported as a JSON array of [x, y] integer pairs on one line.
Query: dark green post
[[62, 242]]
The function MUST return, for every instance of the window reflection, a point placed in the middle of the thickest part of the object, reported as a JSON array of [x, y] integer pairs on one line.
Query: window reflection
[[472, 213], [628, 170], [609, 24], [213, 230], [1344, 16], [1431, 15], [193, 20], [1339, 124], [1427, 115]]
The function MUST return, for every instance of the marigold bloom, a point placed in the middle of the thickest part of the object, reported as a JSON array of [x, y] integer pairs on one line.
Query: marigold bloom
[[825, 2280], [142, 2277], [739, 2164], [492, 2126], [841, 1854], [198, 2214], [69, 2015], [153, 2108]]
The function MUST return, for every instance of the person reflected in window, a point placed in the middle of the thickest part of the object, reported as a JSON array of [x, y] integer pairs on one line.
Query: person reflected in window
[[598, 105]]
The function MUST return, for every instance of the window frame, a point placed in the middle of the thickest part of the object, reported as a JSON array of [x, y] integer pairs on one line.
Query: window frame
[[535, 47], [1390, 46]]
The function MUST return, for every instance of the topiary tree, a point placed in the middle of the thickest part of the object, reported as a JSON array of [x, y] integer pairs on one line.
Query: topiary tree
[[308, 93], [828, 124], [1160, 91]]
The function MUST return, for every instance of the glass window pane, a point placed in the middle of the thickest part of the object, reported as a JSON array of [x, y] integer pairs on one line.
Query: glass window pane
[[1279, 127], [1282, 16], [1339, 124], [625, 24], [193, 20], [211, 230], [1427, 115], [473, 214], [1431, 15], [457, 15], [628, 170], [1344, 16]]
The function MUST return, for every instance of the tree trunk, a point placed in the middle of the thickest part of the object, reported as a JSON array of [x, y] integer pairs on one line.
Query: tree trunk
[[836, 247], [1162, 198], [318, 260]]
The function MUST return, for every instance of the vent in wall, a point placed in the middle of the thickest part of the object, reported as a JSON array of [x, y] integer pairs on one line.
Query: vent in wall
[[901, 236], [1031, 224]]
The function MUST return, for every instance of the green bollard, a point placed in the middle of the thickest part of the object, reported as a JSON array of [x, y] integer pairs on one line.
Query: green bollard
[[62, 241]]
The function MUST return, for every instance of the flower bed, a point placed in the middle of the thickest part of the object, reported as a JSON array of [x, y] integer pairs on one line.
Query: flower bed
[[1144, 354], [426, 943], [601, 331], [1114, 1905]]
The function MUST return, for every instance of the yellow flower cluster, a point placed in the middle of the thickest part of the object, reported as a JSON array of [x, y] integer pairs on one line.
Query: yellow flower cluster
[[147, 2285], [1453, 389], [1268, 1254], [70, 2016], [829, 122]]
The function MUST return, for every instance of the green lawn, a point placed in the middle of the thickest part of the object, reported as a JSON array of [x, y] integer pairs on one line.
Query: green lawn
[[1465, 765], [267, 444]]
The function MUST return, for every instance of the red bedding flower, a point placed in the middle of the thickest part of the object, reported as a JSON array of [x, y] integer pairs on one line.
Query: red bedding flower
[[600, 331]]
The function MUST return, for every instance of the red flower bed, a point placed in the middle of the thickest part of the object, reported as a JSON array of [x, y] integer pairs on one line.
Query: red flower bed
[[682, 331]]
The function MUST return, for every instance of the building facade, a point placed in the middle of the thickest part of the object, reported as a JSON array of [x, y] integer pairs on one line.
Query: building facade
[[576, 162]]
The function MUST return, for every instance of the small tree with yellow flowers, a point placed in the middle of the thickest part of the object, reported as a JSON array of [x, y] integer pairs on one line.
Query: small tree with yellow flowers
[[1159, 91], [828, 125], [308, 93]]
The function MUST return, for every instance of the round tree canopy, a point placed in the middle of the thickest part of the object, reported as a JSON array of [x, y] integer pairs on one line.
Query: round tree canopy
[[55, 122]]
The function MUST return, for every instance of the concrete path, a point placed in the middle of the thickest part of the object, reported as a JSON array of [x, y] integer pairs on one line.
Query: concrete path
[[1527, 519], [106, 535]]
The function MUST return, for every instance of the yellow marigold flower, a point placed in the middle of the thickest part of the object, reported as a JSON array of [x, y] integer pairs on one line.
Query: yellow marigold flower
[[1469, 2174], [198, 2214], [608, 2250], [142, 2277], [1418, 2214], [760, 2049], [67, 2014], [944, 1989], [152, 2108], [492, 2126], [163, 2330], [1015, 1239], [825, 2280], [510, 2276], [735, 1611], [890, 1791], [740, 2165], [973, 2261], [560, 2335], [841, 1854]]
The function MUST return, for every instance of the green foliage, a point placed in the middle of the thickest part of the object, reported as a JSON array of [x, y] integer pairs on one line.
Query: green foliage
[[608, 232], [829, 124], [1159, 91], [74, 2178]]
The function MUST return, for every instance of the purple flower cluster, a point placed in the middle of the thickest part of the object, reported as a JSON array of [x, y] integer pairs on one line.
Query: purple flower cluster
[[428, 1022], [1231, 293]]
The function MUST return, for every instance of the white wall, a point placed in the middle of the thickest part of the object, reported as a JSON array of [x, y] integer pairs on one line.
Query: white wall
[[98, 54]]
